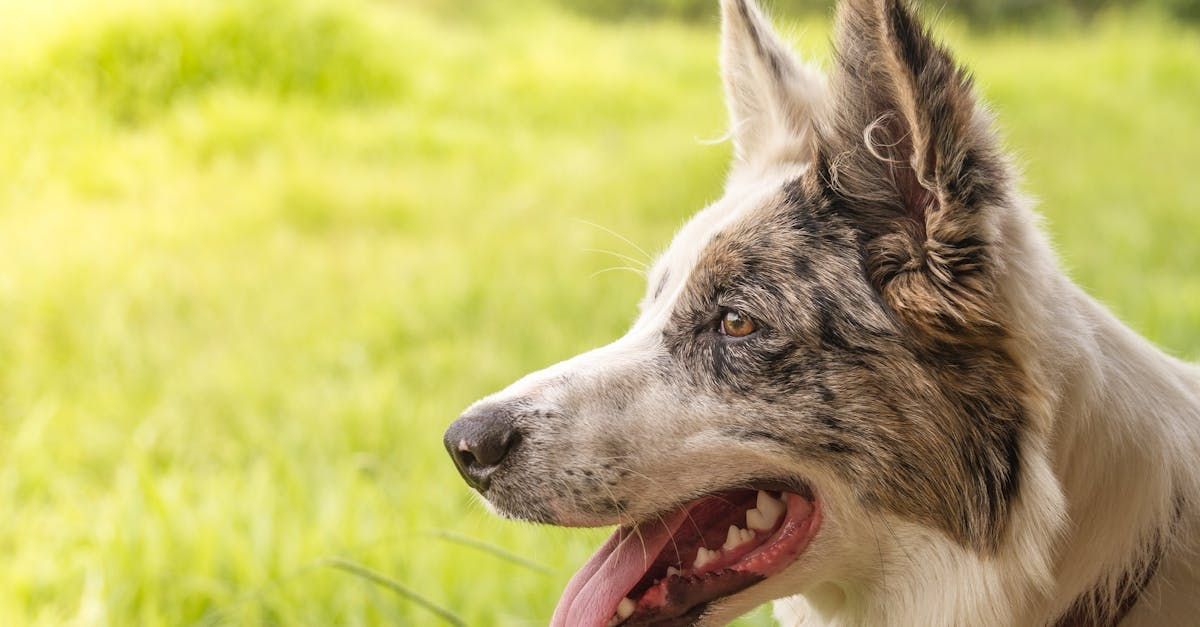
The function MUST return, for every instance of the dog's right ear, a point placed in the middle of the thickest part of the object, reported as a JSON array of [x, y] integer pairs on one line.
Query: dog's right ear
[[770, 94], [909, 156]]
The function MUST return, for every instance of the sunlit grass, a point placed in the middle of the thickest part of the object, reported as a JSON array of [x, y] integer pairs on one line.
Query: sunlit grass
[[259, 254]]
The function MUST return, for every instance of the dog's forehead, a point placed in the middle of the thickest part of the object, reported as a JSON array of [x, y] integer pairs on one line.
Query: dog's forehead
[[672, 272]]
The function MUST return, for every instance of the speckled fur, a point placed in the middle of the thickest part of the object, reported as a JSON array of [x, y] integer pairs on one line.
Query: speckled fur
[[989, 445]]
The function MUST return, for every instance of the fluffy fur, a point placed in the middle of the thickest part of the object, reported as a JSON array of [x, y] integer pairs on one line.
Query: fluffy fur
[[990, 445]]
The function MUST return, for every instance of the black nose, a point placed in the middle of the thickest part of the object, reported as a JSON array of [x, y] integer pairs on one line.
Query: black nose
[[479, 441]]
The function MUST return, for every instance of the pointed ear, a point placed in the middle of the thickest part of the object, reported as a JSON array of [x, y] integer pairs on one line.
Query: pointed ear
[[771, 96], [909, 155]]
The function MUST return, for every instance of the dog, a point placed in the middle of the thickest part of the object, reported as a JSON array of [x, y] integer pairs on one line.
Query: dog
[[859, 384]]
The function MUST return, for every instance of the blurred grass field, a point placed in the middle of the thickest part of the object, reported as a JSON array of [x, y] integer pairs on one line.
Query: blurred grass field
[[258, 254]]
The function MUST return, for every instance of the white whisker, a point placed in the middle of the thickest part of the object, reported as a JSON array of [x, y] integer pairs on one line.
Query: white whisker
[[618, 268], [617, 235], [632, 260]]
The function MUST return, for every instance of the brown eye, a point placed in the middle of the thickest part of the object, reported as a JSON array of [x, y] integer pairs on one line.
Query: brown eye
[[735, 324]]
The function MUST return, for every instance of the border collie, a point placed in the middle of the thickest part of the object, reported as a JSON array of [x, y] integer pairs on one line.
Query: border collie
[[859, 383]]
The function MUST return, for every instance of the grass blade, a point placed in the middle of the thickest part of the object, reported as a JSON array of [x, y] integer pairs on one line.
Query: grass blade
[[382, 580], [494, 550]]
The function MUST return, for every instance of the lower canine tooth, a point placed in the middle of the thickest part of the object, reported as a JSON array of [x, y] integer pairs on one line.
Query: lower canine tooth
[[625, 608]]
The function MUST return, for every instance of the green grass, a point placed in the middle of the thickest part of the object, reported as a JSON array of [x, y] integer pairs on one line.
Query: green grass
[[259, 254]]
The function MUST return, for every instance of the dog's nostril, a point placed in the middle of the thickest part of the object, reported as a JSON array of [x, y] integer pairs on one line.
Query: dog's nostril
[[479, 442], [466, 458], [493, 448]]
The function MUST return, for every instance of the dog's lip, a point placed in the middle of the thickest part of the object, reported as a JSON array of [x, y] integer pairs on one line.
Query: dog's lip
[[627, 581]]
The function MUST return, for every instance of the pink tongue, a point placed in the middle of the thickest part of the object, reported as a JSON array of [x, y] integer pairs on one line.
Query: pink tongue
[[594, 592]]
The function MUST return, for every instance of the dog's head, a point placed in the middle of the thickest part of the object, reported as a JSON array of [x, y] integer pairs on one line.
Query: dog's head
[[818, 353]]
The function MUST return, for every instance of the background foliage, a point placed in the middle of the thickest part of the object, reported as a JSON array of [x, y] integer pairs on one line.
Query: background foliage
[[259, 253], [980, 12]]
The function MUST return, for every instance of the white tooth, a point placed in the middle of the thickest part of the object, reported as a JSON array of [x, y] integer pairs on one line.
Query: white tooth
[[737, 537], [625, 608], [759, 521], [734, 538], [771, 507], [672, 571], [614, 621], [704, 556]]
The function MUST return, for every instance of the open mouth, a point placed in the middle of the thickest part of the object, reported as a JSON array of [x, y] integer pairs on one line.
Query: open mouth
[[667, 571]]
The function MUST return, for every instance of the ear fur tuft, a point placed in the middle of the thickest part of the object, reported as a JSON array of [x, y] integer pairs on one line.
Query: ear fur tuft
[[909, 154]]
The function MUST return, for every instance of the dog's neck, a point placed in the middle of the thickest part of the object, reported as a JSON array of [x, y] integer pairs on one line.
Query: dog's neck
[[1123, 437], [1097, 608], [1123, 441]]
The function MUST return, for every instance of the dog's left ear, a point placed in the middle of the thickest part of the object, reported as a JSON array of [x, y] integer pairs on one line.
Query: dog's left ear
[[772, 97], [906, 151]]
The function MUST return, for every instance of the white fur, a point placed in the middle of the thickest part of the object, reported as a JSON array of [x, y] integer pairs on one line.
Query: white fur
[[1109, 461]]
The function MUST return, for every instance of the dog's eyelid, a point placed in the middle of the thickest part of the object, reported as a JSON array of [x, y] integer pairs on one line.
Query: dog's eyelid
[[728, 303]]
